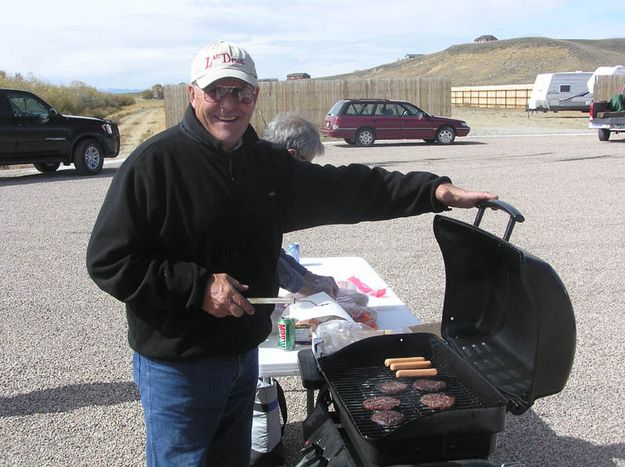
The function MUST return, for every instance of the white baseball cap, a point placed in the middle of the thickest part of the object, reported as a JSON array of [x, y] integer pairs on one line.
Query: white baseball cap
[[222, 60]]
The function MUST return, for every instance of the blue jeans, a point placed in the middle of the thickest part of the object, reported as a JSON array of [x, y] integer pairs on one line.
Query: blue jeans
[[198, 413]]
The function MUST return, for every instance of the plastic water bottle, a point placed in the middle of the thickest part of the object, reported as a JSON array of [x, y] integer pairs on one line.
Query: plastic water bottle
[[292, 249]]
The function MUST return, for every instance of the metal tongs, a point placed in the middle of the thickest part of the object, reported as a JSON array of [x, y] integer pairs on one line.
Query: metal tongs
[[271, 300]]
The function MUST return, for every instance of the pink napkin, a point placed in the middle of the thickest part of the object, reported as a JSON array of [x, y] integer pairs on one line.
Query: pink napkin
[[365, 288]]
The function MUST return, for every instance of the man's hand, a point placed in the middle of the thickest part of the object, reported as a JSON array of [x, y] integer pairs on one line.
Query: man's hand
[[222, 297], [455, 197], [314, 284]]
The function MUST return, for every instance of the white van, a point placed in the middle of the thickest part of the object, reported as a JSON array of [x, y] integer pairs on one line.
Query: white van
[[561, 91]]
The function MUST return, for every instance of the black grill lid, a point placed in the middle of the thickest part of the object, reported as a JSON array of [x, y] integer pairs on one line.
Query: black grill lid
[[506, 311]]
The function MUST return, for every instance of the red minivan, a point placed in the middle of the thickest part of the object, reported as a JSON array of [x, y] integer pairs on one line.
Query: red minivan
[[362, 121]]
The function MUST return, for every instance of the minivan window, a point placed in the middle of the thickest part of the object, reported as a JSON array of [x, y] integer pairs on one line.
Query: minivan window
[[388, 109], [336, 108], [359, 108], [411, 110]]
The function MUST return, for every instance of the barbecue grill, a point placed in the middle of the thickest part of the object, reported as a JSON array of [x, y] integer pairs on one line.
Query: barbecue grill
[[508, 338]]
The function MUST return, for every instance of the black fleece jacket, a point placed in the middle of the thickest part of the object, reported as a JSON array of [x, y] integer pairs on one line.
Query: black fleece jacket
[[180, 209]]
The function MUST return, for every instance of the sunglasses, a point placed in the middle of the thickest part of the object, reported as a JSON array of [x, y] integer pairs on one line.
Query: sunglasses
[[244, 94]]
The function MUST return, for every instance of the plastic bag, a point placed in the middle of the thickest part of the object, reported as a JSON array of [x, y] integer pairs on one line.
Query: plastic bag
[[267, 428], [348, 296], [338, 333]]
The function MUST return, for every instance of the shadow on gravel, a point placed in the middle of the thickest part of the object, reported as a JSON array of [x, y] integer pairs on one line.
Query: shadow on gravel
[[411, 144], [388, 163], [68, 398], [60, 176], [573, 159], [531, 441]]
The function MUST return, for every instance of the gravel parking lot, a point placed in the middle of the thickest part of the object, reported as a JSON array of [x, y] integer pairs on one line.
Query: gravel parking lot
[[66, 396]]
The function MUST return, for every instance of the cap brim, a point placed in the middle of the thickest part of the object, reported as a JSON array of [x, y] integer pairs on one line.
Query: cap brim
[[204, 81]]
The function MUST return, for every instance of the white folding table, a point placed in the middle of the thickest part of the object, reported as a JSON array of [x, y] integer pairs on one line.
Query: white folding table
[[392, 313]]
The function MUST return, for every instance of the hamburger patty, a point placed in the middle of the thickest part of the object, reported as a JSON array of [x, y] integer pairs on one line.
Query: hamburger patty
[[429, 385], [387, 418], [380, 403], [437, 401], [391, 387]]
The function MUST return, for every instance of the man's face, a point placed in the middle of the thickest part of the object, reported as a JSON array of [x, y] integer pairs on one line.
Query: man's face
[[224, 114]]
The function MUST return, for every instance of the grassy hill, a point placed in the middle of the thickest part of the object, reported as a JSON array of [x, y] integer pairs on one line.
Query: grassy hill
[[511, 61]]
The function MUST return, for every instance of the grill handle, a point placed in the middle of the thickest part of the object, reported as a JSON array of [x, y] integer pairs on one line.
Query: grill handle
[[515, 215]]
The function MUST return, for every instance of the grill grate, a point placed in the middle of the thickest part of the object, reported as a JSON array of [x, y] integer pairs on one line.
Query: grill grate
[[355, 382]]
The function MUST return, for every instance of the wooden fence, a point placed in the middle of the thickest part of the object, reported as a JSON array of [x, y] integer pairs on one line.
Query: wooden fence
[[313, 98], [607, 86], [510, 96], [176, 101]]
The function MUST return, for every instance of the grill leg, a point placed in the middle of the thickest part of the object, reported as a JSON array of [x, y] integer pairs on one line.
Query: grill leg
[[311, 377], [310, 400]]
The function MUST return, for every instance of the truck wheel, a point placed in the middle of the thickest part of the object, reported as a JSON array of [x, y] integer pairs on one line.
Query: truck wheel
[[604, 134], [365, 137], [445, 135], [88, 158], [47, 166]]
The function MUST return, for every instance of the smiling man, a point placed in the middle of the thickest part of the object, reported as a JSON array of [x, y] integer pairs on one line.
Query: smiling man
[[191, 227], [219, 70]]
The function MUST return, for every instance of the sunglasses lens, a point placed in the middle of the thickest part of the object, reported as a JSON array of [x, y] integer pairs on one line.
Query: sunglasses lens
[[217, 93], [245, 95]]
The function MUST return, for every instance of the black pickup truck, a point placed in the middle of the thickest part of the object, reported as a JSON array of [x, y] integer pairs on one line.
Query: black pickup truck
[[32, 132]]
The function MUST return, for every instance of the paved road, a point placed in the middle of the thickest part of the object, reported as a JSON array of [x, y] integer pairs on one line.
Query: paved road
[[66, 396]]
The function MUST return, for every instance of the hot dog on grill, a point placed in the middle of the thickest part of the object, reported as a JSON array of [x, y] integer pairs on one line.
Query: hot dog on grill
[[414, 373], [410, 365], [388, 361]]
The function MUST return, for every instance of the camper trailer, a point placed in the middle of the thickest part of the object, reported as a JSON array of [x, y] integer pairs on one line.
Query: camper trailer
[[560, 91]]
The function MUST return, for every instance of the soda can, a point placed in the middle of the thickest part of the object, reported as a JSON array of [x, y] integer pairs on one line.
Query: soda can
[[292, 249], [286, 333]]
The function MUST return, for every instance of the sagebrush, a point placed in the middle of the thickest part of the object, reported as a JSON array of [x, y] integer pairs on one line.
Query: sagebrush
[[76, 99]]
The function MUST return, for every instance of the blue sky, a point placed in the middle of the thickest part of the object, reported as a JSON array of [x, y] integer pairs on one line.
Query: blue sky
[[137, 43]]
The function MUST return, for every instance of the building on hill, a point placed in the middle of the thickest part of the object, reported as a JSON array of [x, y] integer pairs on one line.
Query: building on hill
[[292, 76], [485, 38]]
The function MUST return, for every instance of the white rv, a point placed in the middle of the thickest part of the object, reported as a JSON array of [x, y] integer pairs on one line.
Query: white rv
[[561, 91]]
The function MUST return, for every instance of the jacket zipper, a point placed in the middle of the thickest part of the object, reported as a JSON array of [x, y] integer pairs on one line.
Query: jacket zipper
[[230, 172], [237, 255]]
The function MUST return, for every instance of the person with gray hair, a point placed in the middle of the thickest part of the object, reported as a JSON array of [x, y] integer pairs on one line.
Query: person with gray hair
[[298, 134], [302, 141]]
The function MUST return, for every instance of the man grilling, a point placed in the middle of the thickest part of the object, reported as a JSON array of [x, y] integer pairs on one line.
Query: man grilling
[[191, 227]]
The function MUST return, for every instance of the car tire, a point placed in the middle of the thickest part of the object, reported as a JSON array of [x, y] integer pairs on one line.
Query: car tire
[[445, 135], [46, 167], [88, 157], [604, 135], [365, 137]]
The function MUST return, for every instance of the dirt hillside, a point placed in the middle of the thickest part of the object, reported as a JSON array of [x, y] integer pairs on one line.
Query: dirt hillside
[[512, 61]]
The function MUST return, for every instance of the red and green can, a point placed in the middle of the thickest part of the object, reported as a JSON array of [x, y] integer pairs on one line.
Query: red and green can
[[286, 333]]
